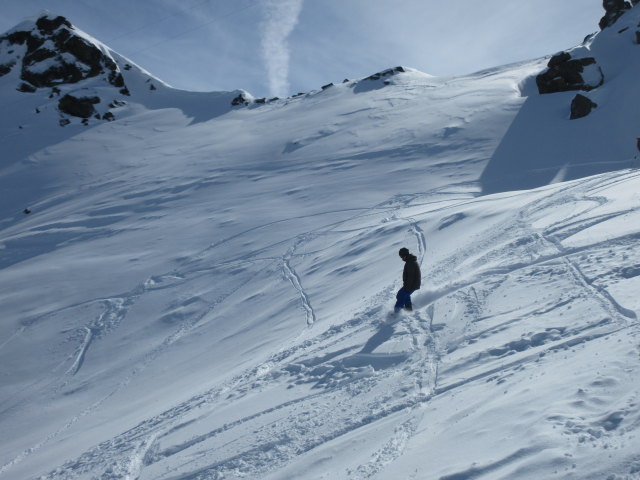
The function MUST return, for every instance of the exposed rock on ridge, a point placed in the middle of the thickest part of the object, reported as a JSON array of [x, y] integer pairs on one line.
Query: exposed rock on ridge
[[565, 74], [52, 53], [78, 106], [575, 71], [614, 9]]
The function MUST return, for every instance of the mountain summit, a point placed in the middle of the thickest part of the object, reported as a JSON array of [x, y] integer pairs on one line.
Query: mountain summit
[[69, 71], [50, 51]]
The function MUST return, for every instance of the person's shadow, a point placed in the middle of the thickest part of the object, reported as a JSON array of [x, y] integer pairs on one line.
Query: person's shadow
[[382, 335]]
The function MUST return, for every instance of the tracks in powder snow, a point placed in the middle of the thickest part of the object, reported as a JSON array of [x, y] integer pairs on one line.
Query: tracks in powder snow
[[272, 436], [114, 312], [369, 368], [329, 368], [466, 359], [295, 280]]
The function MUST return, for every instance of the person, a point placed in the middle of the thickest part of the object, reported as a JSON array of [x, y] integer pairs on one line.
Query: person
[[410, 280]]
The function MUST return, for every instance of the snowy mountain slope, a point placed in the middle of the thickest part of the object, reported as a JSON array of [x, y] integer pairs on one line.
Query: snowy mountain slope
[[204, 292], [45, 59]]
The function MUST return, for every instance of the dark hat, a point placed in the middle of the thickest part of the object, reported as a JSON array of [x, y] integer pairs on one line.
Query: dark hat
[[403, 252]]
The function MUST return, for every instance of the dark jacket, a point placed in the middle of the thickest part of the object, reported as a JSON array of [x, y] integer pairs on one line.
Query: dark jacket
[[411, 274]]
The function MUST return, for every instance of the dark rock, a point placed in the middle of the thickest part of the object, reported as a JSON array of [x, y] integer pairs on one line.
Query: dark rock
[[581, 106], [117, 103], [125, 91], [558, 59], [385, 73], [38, 55], [73, 59], [239, 100], [20, 38], [110, 117], [328, 85], [78, 106], [26, 88], [261, 100], [614, 9], [346, 80], [638, 36], [152, 87], [64, 121], [47, 25], [565, 74], [59, 73], [26, 211], [87, 53], [274, 99], [6, 68]]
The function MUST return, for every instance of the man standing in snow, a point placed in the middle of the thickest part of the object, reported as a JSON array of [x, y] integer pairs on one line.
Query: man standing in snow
[[410, 280]]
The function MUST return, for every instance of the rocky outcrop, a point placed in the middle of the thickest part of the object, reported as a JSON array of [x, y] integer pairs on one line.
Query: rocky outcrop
[[614, 9], [82, 107], [26, 88], [56, 54], [386, 73], [6, 68], [581, 106], [565, 74], [239, 100]]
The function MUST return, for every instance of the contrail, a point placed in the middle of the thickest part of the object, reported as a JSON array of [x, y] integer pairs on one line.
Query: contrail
[[281, 16]]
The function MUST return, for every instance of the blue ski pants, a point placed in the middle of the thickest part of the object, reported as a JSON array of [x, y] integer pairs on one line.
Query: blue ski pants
[[403, 300]]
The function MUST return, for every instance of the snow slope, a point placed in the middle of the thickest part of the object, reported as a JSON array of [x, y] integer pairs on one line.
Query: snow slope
[[204, 291]]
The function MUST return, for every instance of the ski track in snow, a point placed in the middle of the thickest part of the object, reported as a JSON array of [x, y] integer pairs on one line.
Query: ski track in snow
[[295, 280], [421, 240], [82, 352], [114, 313]]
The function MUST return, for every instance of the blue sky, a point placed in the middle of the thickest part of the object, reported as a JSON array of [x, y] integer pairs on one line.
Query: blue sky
[[281, 47]]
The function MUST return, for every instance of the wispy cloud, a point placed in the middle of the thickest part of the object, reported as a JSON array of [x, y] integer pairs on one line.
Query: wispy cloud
[[281, 17]]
